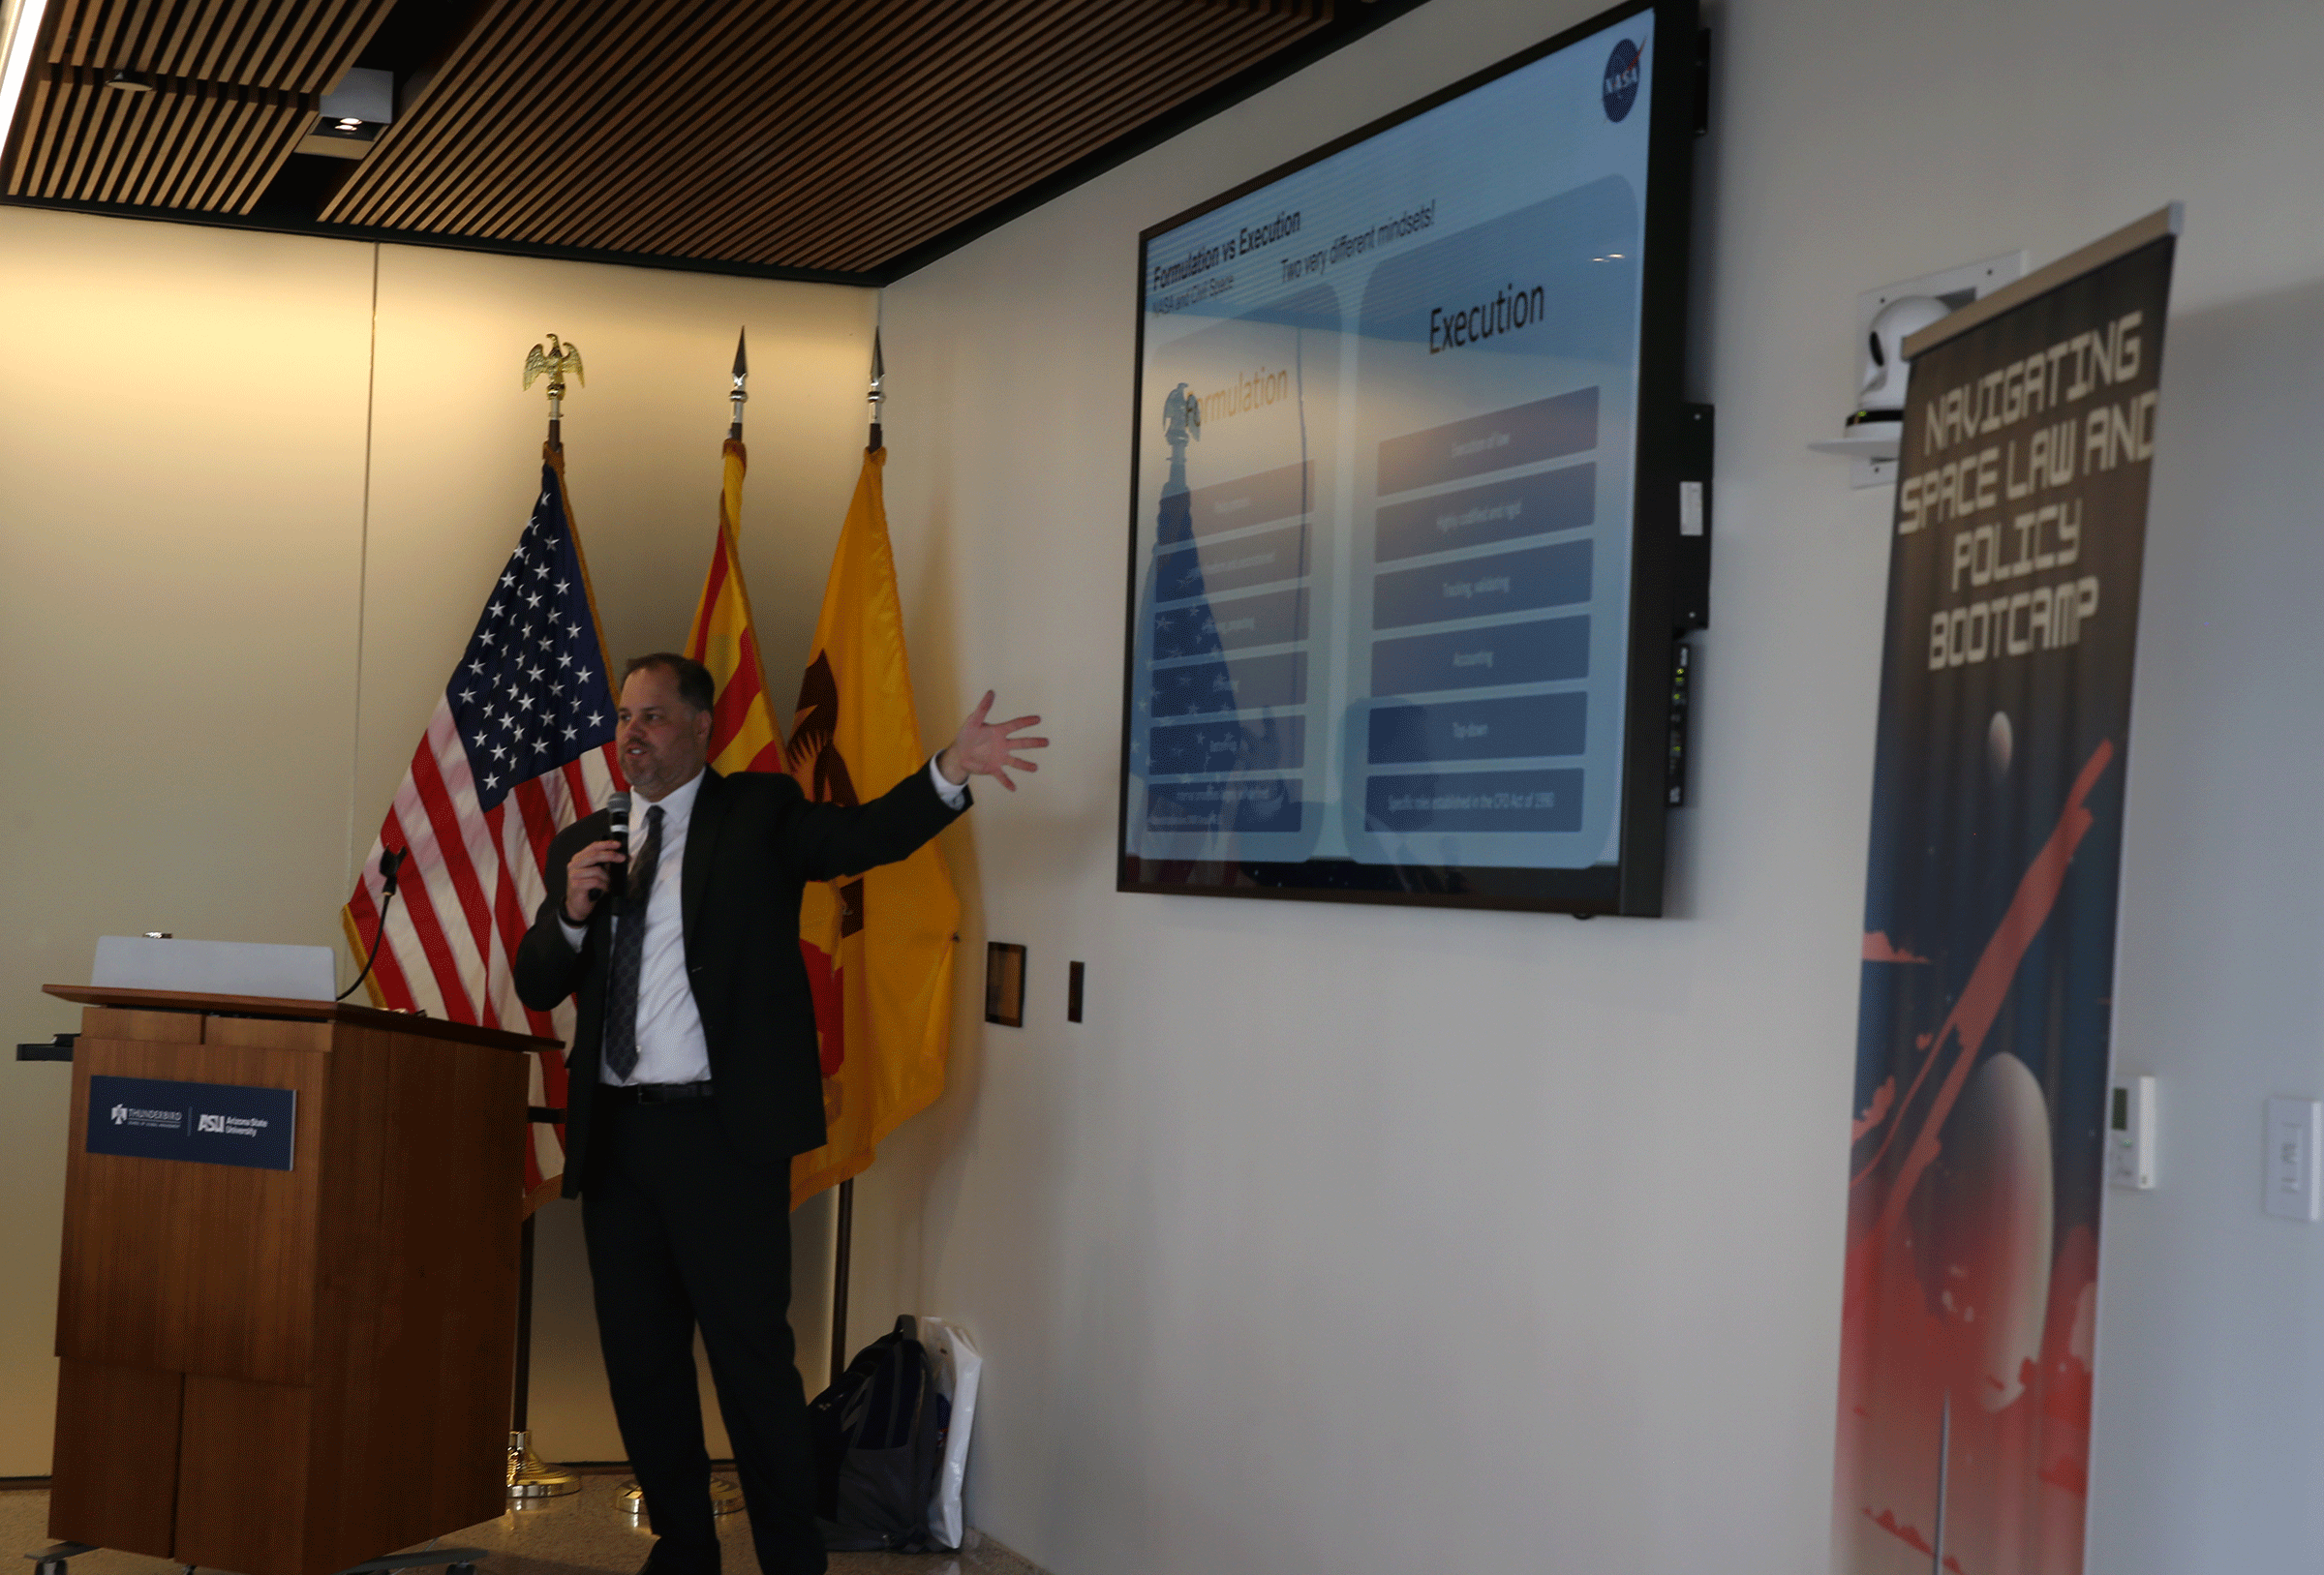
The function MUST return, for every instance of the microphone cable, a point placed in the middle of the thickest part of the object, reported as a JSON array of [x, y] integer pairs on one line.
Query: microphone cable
[[390, 861]]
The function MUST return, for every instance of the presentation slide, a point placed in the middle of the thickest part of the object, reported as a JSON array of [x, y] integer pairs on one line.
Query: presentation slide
[[1385, 474]]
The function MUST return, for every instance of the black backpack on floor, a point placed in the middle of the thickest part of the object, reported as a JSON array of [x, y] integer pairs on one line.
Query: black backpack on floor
[[877, 1446]]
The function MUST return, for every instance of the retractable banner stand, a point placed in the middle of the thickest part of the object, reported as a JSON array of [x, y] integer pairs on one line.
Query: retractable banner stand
[[1989, 934]]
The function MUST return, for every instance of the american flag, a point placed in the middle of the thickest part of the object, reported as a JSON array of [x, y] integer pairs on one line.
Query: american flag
[[520, 746]]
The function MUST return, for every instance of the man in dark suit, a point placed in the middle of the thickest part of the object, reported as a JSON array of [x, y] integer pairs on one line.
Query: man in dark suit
[[694, 1079]]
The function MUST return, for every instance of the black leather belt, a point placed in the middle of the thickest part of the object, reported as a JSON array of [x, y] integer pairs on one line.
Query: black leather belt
[[655, 1093]]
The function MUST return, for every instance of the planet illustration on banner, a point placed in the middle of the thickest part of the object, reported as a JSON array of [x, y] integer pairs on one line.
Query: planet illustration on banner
[[2001, 743], [1993, 1225]]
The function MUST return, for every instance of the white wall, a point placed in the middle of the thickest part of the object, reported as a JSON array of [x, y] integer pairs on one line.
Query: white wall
[[1357, 1239], [130, 562]]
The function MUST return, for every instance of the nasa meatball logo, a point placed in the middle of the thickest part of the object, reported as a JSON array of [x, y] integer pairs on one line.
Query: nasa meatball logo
[[1620, 89]]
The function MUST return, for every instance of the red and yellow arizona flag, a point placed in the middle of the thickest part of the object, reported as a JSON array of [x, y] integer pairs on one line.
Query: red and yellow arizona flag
[[743, 735], [879, 946]]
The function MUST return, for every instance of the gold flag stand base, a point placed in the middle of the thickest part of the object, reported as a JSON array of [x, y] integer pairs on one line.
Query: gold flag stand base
[[724, 1496], [529, 1478]]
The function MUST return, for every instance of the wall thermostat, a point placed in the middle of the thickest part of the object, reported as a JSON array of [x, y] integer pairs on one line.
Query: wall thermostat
[[2131, 1134]]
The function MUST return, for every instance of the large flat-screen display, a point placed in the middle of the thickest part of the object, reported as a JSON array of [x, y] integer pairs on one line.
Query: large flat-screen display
[[1404, 499]]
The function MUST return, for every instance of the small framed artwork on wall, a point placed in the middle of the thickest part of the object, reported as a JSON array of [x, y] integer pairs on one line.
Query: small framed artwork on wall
[[1004, 984]]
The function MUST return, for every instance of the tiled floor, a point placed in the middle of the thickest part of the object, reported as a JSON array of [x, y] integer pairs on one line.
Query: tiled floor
[[583, 1534]]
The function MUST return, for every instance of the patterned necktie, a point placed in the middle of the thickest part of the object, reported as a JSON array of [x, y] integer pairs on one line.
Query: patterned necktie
[[628, 954]]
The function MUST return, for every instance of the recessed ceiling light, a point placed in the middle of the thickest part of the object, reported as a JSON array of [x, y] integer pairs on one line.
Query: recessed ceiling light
[[130, 81]]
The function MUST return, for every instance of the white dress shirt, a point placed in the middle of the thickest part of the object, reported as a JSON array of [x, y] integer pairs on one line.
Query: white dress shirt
[[670, 1047]]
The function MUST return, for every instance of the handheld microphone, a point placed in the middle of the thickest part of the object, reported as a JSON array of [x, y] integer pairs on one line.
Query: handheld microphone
[[616, 827], [390, 864]]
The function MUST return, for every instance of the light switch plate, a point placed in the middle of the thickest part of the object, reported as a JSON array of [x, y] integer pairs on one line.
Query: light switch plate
[[2295, 1132]]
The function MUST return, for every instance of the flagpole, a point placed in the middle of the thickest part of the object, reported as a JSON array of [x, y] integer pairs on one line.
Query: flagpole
[[842, 1244], [844, 1227], [724, 1496], [529, 1475]]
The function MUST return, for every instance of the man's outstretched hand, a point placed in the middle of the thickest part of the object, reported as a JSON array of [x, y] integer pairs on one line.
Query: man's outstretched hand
[[982, 748]]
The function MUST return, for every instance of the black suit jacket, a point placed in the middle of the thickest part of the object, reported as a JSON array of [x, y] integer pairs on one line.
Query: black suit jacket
[[753, 844]]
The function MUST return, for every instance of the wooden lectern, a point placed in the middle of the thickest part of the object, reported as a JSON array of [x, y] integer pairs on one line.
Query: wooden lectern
[[287, 1371]]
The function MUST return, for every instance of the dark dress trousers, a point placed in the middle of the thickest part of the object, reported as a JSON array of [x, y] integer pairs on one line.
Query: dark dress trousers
[[686, 1206]]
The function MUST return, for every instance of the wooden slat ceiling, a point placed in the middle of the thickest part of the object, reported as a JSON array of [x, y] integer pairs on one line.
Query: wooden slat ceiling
[[229, 86], [829, 137], [802, 134], [211, 147], [280, 43]]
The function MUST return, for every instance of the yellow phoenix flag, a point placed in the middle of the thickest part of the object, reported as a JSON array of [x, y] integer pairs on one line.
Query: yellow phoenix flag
[[743, 735], [879, 947]]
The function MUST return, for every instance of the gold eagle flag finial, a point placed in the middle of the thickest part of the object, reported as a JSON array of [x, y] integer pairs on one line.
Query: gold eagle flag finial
[[556, 361]]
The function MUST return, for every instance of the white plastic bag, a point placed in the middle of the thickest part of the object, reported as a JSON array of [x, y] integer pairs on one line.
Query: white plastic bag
[[957, 1365]]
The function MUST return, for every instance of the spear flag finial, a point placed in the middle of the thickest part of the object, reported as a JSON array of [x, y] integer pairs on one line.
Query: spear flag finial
[[742, 375], [879, 371]]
